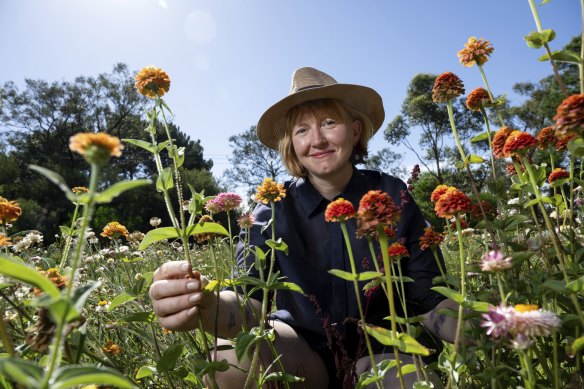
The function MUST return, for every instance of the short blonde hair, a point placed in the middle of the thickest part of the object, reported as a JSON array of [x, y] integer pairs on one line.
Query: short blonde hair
[[335, 109]]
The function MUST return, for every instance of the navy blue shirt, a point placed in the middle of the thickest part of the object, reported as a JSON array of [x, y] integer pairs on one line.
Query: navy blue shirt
[[316, 246]]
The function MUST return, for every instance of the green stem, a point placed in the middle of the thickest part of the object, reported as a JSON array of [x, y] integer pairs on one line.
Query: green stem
[[69, 238], [4, 334], [484, 113], [500, 283], [486, 82], [460, 322]]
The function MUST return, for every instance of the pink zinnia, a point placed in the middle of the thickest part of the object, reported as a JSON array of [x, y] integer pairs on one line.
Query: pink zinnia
[[494, 261], [498, 320], [246, 221], [225, 201]]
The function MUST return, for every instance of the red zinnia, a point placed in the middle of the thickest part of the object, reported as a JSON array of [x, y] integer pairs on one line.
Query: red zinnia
[[546, 138], [475, 210], [557, 174], [451, 203], [377, 207], [563, 140], [397, 250], [339, 210], [570, 115], [477, 99], [438, 192], [499, 141], [518, 142], [430, 238], [447, 87]]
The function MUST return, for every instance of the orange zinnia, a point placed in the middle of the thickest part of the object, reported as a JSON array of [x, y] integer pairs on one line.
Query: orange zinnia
[[9, 211], [96, 147], [477, 99], [4, 240], [376, 207], [447, 87], [570, 115], [339, 210], [451, 203], [397, 250], [546, 138], [152, 82], [79, 190], [430, 238], [475, 51], [114, 230], [438, 192], [557, 174], [518, 142], [111, 348], [563, 140], [499, 140], [269, 191]]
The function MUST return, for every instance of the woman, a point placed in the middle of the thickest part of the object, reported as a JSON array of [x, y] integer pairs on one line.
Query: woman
[[321, 130]]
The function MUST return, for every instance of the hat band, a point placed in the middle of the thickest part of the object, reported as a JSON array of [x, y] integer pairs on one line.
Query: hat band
[[309, 87]]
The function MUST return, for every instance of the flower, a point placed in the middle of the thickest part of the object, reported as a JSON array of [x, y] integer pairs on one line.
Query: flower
[[430, 239], [478, 98], [136, 237], [152, 82], [498, 320], [510, 169], [102, 306], [4, 240], [53, 275], [451, 203], [397, 250], [530, 321], [499, 141], [225, 202], [111, 348], [546, 138], [475, 51], [96, 147], [476, 213], [376, 207], [563, 140], [155, 221], [34, 237], [438, 192], [570, 115], [114, 230], [246, 221], [9, 211], [557, 174], [447, 87], [203, 237], [494, 261], [518, 142], [79, 189], [339, 210], [269, 191]]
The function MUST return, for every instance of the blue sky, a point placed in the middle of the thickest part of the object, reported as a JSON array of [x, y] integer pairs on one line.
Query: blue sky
[[231, 59]]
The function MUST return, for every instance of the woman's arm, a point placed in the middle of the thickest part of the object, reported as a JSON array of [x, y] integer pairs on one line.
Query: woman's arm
[[441, 325]]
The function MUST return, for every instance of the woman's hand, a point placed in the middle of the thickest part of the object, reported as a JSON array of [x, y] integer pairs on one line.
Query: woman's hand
[[177, 296]]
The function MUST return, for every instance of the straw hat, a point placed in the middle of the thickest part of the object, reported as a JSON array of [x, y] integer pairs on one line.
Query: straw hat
[[312, 84]]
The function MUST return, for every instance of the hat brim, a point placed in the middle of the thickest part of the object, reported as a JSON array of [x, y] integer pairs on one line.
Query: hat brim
[[271, 126]]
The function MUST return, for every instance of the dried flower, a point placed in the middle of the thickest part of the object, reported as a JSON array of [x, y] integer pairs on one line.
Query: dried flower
[[202, 238], [152, 82], [499, 140], [478, 98], [475, 51], [397, 250], [557, 174], [269, 191], [447, 87], [376, 207], [438, 192], [136, 237], [246, 221], [339, 210], [9, 211], [493, 261], [79, 189], [114, 230], [430, 239], [96, 147], [518, 142], [452, 203], [155, 221], [570, 115], [4, 240], [111, 348], [224, 202]]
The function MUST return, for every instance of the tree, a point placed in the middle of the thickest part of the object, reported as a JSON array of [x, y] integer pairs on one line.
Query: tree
[[387, 161], [252, 161], [36, 124], [420, 113]]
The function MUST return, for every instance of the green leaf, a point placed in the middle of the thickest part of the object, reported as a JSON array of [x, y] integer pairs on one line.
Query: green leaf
[[558, 286], [117, 189], [27, 275], [286, 286], [120, 300], [345, 275], [176, 153], [451, 294], [403, 341], [22, 371], [145, 371], [576, 285], [576, 147], [244, 342], [74, 375], [147, 317], [576, 346], [56, 179], [169, 357], [278, 245], [81, 294], [563, 56], [511, 222], [475, 159], [165, 182], [477, 306], [279, 376], [480, 137], [206, 228], [157, 235], [140, 143], [538, 39]]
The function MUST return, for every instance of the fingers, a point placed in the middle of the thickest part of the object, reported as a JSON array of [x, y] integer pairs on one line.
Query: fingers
[[181, 321], [173, 305], [168, 288], [171, 270]]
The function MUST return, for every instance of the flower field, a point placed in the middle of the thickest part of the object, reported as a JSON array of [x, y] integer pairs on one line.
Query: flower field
[[76, 313]]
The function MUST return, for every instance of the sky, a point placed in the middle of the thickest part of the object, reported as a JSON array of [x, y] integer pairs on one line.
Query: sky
[[229, 60]]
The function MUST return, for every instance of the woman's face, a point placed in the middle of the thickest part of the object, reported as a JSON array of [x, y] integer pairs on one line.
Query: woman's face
[[324, 145]]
